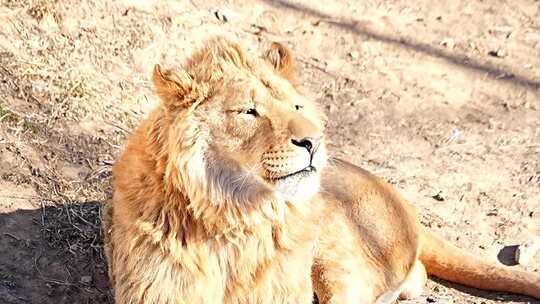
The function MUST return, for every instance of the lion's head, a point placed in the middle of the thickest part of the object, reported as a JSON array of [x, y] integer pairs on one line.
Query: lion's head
[[238, 131]]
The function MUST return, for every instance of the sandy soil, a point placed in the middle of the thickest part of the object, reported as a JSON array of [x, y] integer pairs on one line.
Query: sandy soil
[[441, 100]]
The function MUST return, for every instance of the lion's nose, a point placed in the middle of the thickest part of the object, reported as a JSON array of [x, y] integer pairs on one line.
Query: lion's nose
[[307, 142]]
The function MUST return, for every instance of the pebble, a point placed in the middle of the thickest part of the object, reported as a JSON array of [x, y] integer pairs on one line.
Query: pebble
[[500, 53], [226, 15], [526, 251], [448, 42], [439, 196], [86, 279]]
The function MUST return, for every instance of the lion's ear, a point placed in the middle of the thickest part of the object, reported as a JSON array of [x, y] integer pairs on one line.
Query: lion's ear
[[281, 58], [173, 87]]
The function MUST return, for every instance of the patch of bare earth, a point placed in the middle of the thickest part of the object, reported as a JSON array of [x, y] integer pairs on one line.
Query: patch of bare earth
[[440, 99]]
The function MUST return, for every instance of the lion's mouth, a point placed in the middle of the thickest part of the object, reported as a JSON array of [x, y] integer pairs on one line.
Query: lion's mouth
[[301, 173]]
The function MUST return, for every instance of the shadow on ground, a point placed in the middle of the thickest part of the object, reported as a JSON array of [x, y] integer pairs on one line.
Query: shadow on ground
[[353, 26], [53, 255], [491, 295]]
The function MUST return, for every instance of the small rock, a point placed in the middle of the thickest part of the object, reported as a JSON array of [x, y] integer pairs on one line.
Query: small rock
[[439, 196], [526, 252], [221, 16], [505, 76], [332, 108], [497, 53], [430, 300], [454, 134], [225, 15], [258, 29], [448, 42], [86, 279], [493, 212], [354, 54]]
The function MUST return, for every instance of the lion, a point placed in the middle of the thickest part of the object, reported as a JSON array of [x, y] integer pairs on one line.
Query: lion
[[225, 194]]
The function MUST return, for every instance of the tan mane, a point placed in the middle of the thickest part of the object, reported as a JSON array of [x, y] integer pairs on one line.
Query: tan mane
[[216, 192]]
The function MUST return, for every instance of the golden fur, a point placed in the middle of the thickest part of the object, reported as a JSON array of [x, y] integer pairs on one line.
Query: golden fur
[[223, 195]]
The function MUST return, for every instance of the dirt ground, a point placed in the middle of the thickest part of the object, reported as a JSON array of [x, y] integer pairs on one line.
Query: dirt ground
[[440, 98]]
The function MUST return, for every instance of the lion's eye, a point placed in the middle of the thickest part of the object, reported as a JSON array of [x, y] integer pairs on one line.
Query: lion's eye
[[251, 112], [298, 107]]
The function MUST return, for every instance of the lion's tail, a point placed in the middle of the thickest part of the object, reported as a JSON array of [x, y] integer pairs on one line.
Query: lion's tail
[[448, 262]]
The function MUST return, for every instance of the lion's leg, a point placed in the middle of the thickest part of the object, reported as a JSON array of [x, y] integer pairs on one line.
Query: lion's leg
[[342, 271], [334, 284], [415, 282]]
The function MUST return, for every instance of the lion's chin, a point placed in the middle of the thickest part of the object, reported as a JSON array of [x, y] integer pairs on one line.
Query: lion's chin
[[297, 187]]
